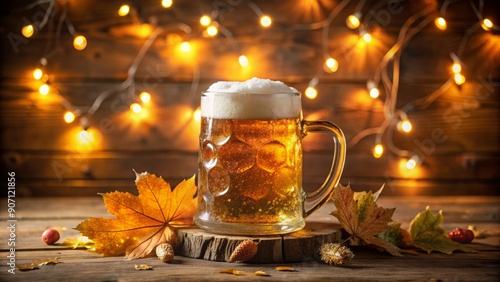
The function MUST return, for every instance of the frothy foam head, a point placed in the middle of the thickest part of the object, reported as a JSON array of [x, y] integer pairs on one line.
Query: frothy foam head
[[252, 99]]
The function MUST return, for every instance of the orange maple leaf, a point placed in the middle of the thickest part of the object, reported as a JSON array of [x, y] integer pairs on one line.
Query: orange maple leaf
[[362, 218], [142, 222]]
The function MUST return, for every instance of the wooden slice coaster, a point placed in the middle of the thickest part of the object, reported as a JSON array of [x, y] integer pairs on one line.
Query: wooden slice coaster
[[293, 247]]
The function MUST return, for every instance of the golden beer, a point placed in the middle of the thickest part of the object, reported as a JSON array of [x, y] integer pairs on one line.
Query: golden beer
[[251, 170]]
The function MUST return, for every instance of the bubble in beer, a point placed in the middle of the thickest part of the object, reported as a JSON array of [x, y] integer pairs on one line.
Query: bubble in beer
[[271, 156], [236, 157], [218, 180]]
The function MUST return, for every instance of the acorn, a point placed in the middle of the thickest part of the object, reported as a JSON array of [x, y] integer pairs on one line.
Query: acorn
[[244, 251], [165, 252]]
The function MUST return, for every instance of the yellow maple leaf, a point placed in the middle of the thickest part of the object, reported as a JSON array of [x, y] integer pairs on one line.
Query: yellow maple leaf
[[362, 218], [141, 222]]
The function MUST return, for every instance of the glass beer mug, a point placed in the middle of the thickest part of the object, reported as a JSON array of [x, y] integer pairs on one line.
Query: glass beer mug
[[250, 160]]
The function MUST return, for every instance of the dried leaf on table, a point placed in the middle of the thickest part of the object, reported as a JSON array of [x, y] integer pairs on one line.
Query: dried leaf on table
[[357, 195], [142, 222], [27, 267], [284, 268], [261, 273], [232, 271], [427, 234], [41, 262], [35, 264], [362, 218], [143, 267]]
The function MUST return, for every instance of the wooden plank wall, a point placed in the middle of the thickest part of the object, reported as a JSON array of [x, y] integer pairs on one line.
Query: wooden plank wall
[[456, 136]]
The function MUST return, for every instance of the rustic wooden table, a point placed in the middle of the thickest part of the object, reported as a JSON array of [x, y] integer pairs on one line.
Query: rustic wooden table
[[36, 214]]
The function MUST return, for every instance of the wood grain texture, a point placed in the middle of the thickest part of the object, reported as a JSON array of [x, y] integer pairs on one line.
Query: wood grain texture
[[36, 214], [294, 247], [456, 135]]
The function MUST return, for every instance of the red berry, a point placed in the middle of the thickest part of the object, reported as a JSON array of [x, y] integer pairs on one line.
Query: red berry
[[461, 235], [50, 236]]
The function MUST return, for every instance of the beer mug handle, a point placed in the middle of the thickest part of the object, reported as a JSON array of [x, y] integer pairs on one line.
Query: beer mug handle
[[318, 198]]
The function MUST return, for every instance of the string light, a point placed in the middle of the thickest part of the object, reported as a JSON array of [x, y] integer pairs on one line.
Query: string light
[[69, 117], [37, 73], [378, 150], [212, 30], [372, 89], [265, 21], [80, 42], [456, 67], [412, 162], [166, 3], [185, 46], [487, 24], [135, 108], [205, 20], [440, 22], [459, 78], [374, 93], [331, 65], [124, 10], [44, 89], [366, 37], [353, 21], [311, 92], [243, 60], [405, 125], [28, 30], [197, 114], [145, 97]]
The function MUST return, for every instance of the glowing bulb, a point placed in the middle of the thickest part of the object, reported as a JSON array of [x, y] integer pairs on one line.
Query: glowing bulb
[[83, 136], [44, 89], [69, 117], [243, 60], [197, 114], [37, 74], [332, 65], [486, 24], [412, 162], [311, 92], [405, 125], [145, 97], [352, 21], [440, 23], [456, 68], [28, 30], [459, 78], [205, 20], [135, 108], [124, 10], [212, 30], [374, 93], [80, 42], [265, 21], [367, 37], [185, 46], [378, 151], [166, 3]]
